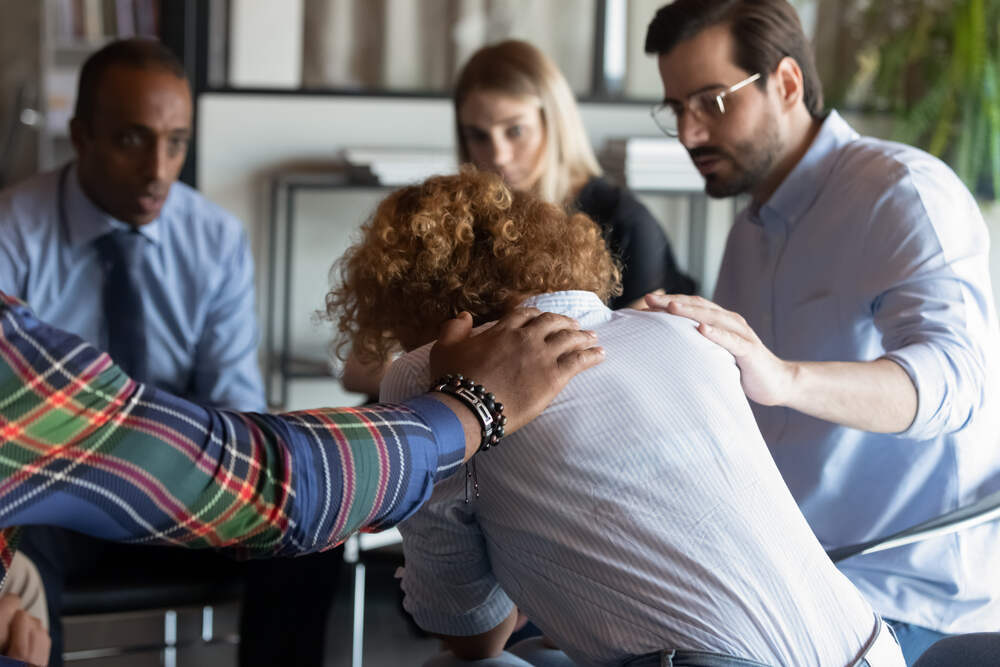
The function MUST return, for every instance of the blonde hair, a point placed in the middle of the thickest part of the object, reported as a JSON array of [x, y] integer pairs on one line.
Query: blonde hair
[[519, 69], [459, 243]]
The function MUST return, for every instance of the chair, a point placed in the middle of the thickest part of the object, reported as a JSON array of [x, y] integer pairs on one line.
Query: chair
[[980, 648], [115, 612], [357, 549], [983, 510]]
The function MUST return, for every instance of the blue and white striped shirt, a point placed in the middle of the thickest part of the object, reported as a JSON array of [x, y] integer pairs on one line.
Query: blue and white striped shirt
[[641, 511]]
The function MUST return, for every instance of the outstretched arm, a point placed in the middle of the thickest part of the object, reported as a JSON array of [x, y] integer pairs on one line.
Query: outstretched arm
[[85, 447]]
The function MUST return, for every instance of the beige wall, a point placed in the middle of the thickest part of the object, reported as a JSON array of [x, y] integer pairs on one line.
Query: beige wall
[[243, 140]]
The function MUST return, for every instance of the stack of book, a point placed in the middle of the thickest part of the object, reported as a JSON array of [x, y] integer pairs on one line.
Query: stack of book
[[397, 166], [650, 163]]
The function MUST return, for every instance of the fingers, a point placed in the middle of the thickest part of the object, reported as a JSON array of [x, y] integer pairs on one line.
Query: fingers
[[699, 309], [28, 639], [708, 314], [722, 327], [9, 606], [457, 329], [576, 351], [657, 301], [667, 302], [735, 344], [568, 340], [545, 324], [578, 361]]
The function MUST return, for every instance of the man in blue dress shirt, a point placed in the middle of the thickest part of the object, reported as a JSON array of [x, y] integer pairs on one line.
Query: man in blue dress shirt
[[189, 278], [870, 344]]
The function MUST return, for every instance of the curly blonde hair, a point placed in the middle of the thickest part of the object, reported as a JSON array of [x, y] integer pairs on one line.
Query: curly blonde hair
[[458, 243]]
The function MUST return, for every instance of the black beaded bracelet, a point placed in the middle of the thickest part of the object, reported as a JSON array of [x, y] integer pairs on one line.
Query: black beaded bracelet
[[488, 410]]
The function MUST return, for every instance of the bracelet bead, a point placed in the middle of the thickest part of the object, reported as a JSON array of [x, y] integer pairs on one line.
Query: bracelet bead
[[488, 410]]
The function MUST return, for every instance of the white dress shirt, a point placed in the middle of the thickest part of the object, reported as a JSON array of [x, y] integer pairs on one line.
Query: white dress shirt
[[641, 511]]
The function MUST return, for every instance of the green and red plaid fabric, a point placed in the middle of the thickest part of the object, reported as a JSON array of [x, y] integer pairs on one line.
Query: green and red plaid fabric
[[85, 447]]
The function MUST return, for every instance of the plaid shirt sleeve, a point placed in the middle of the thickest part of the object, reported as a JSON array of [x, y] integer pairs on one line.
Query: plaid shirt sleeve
[[85, 447]]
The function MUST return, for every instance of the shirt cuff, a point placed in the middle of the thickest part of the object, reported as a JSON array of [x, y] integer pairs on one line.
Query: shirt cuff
[[476, 621], [923, 365], [447, 430]]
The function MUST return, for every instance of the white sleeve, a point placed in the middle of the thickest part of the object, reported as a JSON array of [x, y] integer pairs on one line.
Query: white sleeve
[[448, 580], [408, 376]]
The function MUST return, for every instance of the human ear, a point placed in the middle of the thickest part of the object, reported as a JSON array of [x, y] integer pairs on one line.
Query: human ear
[[788, 82]]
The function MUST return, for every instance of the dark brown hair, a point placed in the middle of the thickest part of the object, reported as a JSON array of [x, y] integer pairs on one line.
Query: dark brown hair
[[764, 32]]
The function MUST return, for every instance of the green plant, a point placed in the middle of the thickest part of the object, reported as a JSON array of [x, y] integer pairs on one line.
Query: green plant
[[934, 65]]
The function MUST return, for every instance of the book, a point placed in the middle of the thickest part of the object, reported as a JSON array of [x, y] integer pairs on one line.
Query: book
[[650, 163], [147, 18], [125, 18], [93, 20], [397, 166]]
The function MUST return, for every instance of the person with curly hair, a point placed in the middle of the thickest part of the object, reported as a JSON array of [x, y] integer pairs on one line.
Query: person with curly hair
[[457, 244], [645, 519]]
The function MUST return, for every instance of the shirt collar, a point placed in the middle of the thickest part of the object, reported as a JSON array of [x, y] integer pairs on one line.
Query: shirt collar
[[584, 307], [802, 185], [85, 221]]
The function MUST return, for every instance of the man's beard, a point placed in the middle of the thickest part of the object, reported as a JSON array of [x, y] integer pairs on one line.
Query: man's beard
[[755, 163]]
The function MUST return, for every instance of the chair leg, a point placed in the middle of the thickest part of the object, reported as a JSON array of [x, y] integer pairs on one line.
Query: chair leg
[[207, 623], [170, 638], [358, 639]]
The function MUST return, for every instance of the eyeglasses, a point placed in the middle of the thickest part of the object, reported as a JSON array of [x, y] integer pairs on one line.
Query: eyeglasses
[[706, 105]]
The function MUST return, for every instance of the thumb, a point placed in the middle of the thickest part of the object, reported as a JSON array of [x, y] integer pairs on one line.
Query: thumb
[[456, 330]]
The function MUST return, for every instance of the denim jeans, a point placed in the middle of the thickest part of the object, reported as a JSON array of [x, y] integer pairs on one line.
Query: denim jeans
[[914, 639], [532, 653], [979, 648], [526, 653], [690, 659]]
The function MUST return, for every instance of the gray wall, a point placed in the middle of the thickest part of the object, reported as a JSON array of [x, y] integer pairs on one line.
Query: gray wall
[[20, 33]]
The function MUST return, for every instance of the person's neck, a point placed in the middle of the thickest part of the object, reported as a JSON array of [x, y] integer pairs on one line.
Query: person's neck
[[89, 192], [803, 133]]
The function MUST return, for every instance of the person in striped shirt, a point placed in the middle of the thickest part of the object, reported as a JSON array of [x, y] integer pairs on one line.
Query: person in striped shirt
[[640, 517]]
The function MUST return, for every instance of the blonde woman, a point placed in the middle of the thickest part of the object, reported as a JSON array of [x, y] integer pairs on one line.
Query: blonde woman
[[515, 114]]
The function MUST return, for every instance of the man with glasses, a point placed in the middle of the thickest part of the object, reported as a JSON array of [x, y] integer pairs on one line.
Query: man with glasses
[[870, 345]]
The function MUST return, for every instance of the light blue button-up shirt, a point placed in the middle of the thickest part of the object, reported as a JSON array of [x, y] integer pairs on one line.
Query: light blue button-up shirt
[[873, 249], [198, 294]]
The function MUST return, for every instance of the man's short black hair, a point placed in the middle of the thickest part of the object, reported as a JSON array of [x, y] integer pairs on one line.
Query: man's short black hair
[[141, 53], [764, 32]]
